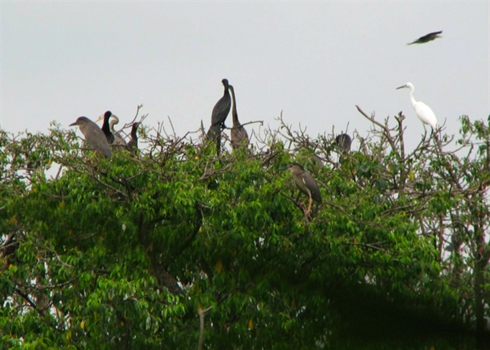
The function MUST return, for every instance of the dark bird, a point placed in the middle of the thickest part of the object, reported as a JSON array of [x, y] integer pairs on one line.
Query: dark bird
[[118, 139], [222, 108], [93, 135], [218, 117], [105, 127], [133, 143], [426, 38], [306, 183], [239, 136], [343, 142], [214, 134]]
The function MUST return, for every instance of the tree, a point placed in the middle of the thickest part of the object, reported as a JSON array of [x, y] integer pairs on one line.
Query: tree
[[124, 253]]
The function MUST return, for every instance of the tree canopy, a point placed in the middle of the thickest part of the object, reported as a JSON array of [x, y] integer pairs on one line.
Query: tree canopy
[[177, 248]]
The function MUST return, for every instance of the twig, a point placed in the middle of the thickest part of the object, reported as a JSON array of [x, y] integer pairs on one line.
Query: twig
[[29, 301], [261, 122]]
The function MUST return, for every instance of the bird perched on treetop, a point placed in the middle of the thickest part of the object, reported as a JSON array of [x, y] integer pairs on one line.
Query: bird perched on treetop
[[424, 112], [218, 116], [93, 135], [105, 127], [426, 38], [343, 141], [222, 108], [109, 130], [133, 143], [306, 183], [239, 136]]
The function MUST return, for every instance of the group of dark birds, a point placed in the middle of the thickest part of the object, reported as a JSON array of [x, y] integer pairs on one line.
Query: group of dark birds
[[101, 139]]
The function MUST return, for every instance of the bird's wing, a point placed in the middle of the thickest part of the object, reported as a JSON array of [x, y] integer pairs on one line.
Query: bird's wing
[[312, 186], [221, 109], [239, 137], [213, 132], [119, 140], [96, 138], [426, 38], [426, 114]]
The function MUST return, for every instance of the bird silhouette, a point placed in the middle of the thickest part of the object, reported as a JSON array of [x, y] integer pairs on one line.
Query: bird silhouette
[[426, 38], [220, 112], [239, 136]]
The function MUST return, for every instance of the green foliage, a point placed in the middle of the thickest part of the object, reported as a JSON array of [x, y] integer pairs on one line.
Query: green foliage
[[122, 253]]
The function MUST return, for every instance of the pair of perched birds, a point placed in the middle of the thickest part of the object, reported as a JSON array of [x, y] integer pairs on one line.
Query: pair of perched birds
[[239, 136], [102, 139]]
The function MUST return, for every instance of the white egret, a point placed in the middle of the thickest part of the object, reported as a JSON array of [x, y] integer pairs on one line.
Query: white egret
[[424, 112]]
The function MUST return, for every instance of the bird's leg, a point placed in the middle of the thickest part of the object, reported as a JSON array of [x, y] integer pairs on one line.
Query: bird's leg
[[302, 204], [309, 207]]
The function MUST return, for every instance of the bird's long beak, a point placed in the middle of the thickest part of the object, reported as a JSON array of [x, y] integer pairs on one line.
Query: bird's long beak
[[283, 168], [102, 117], [73, 124], [401, 87]]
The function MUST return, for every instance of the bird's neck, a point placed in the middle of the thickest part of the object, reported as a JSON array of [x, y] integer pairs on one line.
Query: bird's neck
[[235, 117], [113, 122], [412, 98], [234, 112]]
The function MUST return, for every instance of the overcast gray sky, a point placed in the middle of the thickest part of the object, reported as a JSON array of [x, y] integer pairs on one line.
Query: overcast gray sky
[[313, 61]]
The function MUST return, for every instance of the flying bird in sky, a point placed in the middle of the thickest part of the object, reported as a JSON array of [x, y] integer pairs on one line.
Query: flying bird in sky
[[426, 38]]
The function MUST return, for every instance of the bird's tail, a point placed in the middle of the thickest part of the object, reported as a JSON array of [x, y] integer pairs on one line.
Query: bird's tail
[[214, 134]]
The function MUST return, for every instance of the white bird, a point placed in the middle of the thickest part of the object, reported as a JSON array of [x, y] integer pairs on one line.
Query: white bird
[[424, 112]]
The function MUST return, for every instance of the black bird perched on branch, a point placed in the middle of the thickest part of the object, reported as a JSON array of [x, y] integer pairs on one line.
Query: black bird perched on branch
[[93, 135], [343, 141], [426, 38], [218, 117], [118, 139], [106, 129], [306, 183], [133, 143], [239, 136]]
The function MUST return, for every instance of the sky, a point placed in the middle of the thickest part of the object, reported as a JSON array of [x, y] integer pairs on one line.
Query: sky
[[311, 61]]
